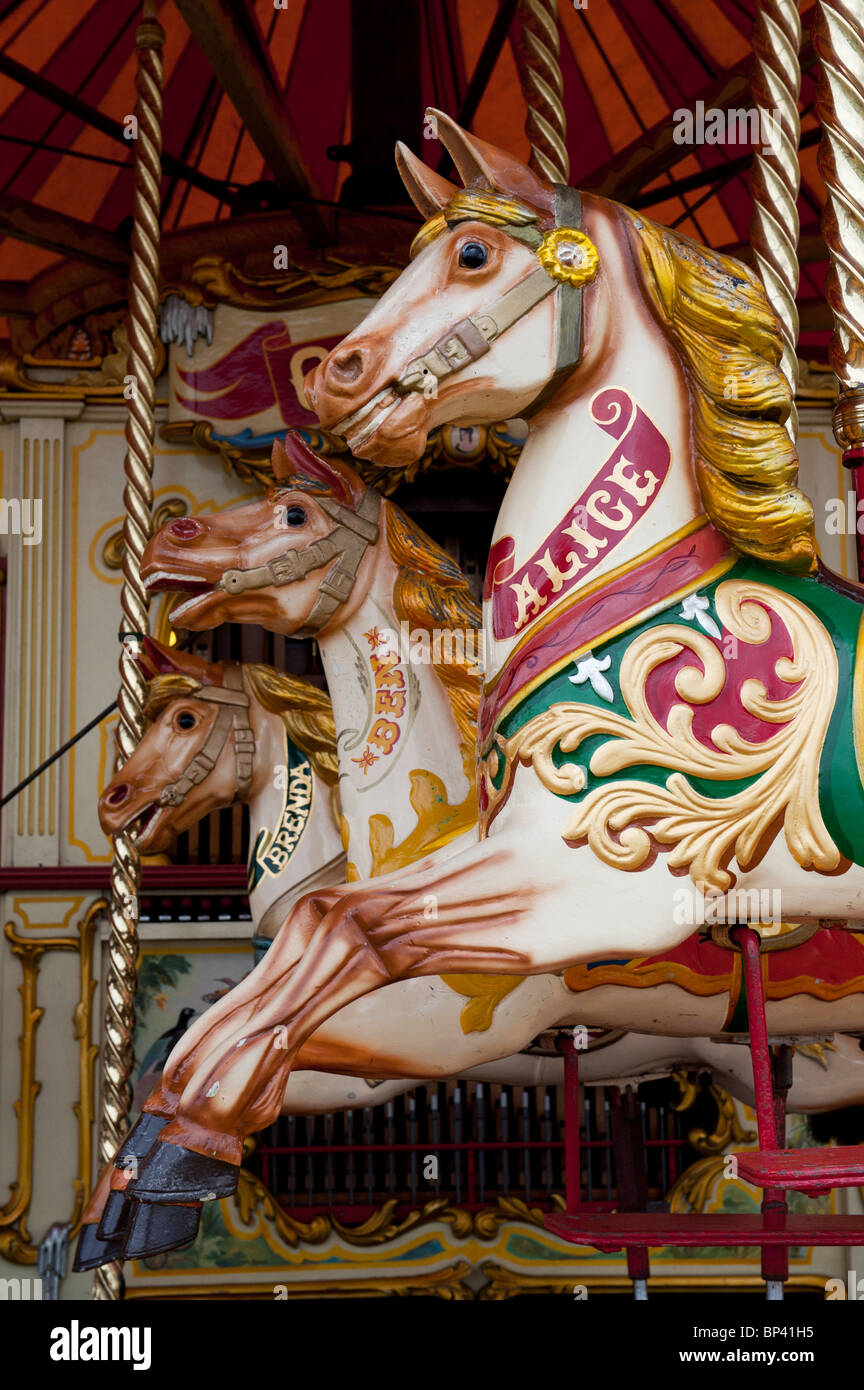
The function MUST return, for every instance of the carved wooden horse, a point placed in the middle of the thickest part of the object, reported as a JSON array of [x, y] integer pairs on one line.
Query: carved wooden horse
[[185, 768], [365, 581], [670, 701], [189, 765], [224, 733]]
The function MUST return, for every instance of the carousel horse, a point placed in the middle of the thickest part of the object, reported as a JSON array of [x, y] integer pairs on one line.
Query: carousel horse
[[188, 766], [826, 1076], [221, 733], [291, 727], [653, 558], [421, 796]]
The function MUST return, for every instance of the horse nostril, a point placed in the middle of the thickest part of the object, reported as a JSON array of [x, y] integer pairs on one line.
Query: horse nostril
[[117, 795], [185, 528], [349, 368]]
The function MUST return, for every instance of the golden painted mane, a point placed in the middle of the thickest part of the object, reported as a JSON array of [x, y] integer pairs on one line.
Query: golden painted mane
[[718, 316], [305, 711], [432, 592]]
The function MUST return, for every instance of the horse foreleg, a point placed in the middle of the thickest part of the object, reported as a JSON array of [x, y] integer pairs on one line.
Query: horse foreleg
[[230, 1013], [355, 950]]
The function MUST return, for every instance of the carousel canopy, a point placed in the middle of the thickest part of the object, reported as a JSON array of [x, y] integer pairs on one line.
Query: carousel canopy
[[281, 117]]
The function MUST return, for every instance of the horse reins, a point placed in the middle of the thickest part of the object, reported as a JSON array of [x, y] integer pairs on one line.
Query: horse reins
[[233, 713], [346, 544]]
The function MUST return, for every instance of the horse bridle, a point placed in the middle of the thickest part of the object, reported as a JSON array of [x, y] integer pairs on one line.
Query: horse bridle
[[471, 338], [233, 710], [464, 343], [346, 545]]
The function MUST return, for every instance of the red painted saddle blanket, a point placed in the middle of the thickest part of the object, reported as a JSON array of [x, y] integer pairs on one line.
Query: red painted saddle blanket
[[829, 966]]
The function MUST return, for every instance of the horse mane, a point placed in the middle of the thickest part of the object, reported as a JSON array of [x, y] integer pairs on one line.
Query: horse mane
[[718, 315], [432, 592], [305, 710]]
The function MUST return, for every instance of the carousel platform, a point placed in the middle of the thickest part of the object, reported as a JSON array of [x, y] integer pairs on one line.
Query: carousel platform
[[772, 1167], [608, 1231]]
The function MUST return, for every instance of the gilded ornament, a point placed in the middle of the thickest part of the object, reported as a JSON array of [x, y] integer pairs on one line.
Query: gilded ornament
[[622, 821], [569, 256]]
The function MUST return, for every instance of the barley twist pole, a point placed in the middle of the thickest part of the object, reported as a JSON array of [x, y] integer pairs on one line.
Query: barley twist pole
[[776, 176], [838, 37], [543, 89], [138, 502]]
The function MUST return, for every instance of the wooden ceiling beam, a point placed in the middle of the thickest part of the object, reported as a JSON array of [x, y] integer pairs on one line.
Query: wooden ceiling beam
[[67, 101], [56, 231], [811, 247], [231, 41], [655, 151]]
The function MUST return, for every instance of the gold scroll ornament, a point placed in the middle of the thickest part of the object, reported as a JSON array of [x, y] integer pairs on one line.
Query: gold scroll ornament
[[625, 820]]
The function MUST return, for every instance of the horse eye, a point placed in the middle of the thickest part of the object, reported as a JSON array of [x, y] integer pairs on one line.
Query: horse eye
[[295, 516], [473, 255], [185, 720]]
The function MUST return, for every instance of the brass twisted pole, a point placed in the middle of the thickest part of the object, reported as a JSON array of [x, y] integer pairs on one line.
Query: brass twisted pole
[[138, 502], [776, 176], [838, 37], [543, 89]]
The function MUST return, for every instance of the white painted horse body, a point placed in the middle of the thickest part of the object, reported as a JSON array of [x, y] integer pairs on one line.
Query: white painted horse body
[[826, 1077], [413, 1030]]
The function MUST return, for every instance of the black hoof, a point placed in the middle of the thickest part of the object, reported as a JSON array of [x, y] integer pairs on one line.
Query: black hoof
[[115, 1217], [140, 1140], [171, 1174], [154, 1228], [93, 1252]]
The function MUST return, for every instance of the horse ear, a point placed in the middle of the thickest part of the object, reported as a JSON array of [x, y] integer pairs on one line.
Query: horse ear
[[487, 167], [429, 192], [157, 659], [154, 658], [294, 460]]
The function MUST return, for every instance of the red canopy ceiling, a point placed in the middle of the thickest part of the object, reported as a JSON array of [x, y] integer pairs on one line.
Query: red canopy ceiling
[[627, 65]]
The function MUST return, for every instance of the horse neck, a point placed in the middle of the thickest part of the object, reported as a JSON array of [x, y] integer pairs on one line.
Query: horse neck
[[398, 742], [269, 794], [568, 458]]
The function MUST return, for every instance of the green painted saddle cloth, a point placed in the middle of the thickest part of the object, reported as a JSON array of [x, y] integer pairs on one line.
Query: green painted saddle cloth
[[694, 704]]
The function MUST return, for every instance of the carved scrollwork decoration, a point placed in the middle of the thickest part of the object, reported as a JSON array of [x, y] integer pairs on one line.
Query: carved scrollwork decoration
[[15, 1239], [623, 821]]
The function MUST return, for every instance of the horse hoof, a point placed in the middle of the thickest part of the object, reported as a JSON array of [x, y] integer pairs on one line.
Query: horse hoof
[[93, 1252], [170, 1174], [115, 1217], [140, 1139], [155, 1228]]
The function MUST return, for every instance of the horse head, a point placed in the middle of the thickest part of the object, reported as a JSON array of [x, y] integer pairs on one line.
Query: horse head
[[487, 314], [187, 764], [526, 298], [289, 562]]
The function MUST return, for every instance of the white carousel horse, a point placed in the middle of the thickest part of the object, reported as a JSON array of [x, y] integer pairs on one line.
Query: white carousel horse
[[189, 764], [653, 559]]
